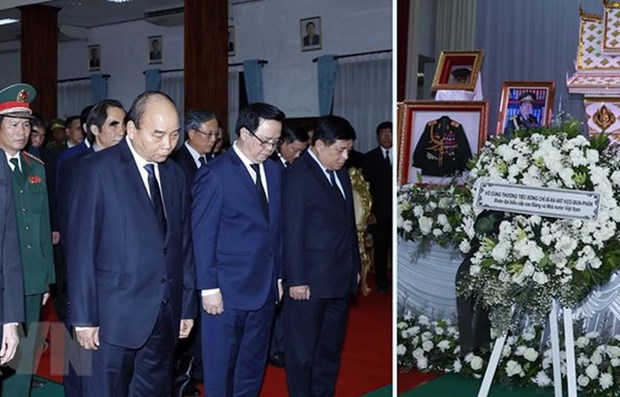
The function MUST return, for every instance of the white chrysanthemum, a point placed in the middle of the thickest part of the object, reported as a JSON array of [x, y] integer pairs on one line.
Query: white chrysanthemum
[[613, 351], [606, 381], [426, 224], [418, 211], [582, 342], [542, 379], [530, 354]]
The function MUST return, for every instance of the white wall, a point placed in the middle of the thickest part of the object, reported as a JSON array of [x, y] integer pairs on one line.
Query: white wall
[[267, 29]]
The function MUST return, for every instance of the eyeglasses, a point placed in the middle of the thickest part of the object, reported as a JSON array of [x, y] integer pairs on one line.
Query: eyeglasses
[[272, 142], [210, 134]]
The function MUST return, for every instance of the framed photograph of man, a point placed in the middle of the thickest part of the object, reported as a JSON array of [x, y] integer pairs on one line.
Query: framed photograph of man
[[310, 33], [457, 70], [603, 116], [94, 58], [438, 138], [525, 105], [155, 48], [231, 41]]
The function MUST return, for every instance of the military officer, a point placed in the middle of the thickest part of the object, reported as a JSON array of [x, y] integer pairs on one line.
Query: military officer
[[33, 222], [525, 120]]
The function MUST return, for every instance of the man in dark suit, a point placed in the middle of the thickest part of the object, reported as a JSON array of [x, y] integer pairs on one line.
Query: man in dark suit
[[237, 243], [377, 171], [14, 105], [294, 143], [321, 259], [203, 131], [131, 281], [105, 127], [524, 120], [311, 38]]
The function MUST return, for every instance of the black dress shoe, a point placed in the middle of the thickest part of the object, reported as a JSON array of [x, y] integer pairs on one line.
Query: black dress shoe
[[38, 383], [277, 360], [191, 390]]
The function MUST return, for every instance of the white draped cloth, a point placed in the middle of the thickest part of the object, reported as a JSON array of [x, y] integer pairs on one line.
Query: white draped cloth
[[601, 309], [428, 282]]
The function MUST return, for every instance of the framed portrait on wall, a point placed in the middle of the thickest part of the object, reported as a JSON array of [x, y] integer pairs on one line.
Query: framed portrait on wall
[[438, 138], [231, 41], [603, 116], [155, 48], [310, 34], [525, 105], [457, 70], [94, 58]]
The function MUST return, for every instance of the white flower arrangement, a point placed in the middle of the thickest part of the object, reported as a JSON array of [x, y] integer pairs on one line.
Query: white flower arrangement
[[527, 261], [430, 214], [522, 363]]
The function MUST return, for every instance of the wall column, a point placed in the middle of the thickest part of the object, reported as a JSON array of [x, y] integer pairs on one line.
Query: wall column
[[39, 55], [206, 57]]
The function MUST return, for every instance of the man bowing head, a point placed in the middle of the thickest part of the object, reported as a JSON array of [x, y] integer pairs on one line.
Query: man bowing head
[[131, 278], [237, 238]]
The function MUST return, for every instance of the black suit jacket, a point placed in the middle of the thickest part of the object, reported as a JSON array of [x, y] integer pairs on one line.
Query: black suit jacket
[[320, 238], [11, 277], [184, 159], [378, 172], [123, 267]]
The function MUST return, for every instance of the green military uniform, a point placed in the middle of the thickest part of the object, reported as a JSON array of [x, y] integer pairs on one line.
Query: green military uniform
[[35, 239], [33, 223]]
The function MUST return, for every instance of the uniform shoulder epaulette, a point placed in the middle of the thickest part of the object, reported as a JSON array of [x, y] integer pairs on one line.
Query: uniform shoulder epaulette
[[514, 117], [30, 156], [432, 122], [455, 124]]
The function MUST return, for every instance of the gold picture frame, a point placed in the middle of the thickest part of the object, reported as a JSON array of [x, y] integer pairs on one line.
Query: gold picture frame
[[451, 62]]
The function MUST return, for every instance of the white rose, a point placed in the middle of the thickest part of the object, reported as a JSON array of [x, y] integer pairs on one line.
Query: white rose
[[418, 211], [442, 219], [439, 331], [427, 345], [443, 345], [418, 353], [597, 358], [530, 354], [592, 371], [513, 368], [464, 246], [615, 362], [540, 278], [408, 225], [422, 363], [423, 320], [426, 224], [506, 351], [582, 342], [613, 351], [476, 363], [456, 366], [401, 349], [583, 380], [437, 232]]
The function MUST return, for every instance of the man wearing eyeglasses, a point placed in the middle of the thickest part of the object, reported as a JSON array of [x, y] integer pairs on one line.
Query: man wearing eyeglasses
[[202, 130], [236, 225]]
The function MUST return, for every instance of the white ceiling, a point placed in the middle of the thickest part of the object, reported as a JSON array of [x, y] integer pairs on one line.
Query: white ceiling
[[76, 14]]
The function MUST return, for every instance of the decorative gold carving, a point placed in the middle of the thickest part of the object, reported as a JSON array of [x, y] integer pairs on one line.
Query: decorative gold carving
[[603, 118], [362, 202]]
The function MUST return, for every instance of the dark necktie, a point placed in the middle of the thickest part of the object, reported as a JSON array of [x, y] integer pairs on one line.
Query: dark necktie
[[156, 200], [387, 158], [332, 180], [15, 163], [202, 160], [260, 189]]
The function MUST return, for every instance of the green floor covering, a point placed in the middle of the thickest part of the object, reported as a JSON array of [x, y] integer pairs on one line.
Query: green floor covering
[[385, 391], [51, 389], [458, 386]]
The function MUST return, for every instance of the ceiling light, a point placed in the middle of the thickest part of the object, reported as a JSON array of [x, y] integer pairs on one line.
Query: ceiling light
[[8, 21], [119, 1]]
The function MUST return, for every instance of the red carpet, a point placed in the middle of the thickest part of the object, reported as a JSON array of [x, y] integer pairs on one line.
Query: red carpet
[[366, 361]]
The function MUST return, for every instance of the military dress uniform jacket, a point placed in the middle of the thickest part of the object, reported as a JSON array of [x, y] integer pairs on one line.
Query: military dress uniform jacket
[[33, 223], [518, 122], [443, 149]]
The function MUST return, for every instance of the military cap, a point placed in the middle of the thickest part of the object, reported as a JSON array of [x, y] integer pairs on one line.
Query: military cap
[[527, 96], [461, 73], [57, 124], [15, 100]]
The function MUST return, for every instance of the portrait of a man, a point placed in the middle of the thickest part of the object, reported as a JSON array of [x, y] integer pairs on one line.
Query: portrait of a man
[[310, 34], [231, 40], [155, 49], [94, 58]]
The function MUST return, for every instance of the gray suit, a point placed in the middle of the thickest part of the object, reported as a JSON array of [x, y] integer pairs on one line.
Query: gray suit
[[11, 277]]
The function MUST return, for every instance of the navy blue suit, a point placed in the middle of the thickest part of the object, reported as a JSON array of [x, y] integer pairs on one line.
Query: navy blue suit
[[321, 251], [124, 275], [184, 159], [11, 277], [238, 250]]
